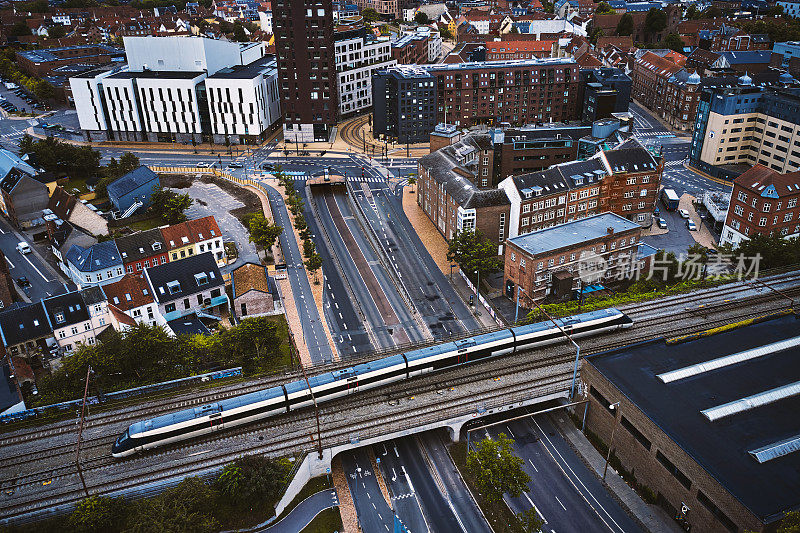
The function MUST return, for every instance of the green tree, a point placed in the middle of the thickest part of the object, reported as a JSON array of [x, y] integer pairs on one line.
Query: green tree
[[313, 264], [673, 41], [530, 521], [170, 205], [370, 15], [790, 523], [97, 514], [412, 180], [253, 344], [186, 508], [421, 18], [309, 248], [262, 231], [44, 90], [773, 250], [252, 480], [604, 8], [693, 13], [625, 25], [595, 33], [56, 32], [496, 469], [26, 145], [446, 34], [655, 21], [239, 34], [473, 252]]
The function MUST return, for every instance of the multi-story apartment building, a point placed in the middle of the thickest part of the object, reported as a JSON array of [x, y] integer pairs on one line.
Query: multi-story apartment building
[[304, 44], [404, 103], [359, 55], [43, 62], [142, 249], [549, 261], [180, 89], [77, 317], [498, 50], [189, 286], [133, 296], [411, 49], [740, 125], [389, 9], [604, 91], [515, 92], [763, 202]]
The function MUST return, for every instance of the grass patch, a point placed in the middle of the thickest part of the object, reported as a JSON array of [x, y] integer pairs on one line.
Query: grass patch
[[499, 515], [148, 223], [313, 486], [632, 295], [327, 521]]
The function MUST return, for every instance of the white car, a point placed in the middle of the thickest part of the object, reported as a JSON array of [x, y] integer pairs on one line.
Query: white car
[[684, 213], [24, 248], [691, 225], [203, 164], [661, 223]]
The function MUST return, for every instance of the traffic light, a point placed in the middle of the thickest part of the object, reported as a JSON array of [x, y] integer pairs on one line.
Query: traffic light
[[362, 173]]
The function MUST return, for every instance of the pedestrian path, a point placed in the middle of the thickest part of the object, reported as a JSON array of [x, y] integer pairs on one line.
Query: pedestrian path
[[299, 517]]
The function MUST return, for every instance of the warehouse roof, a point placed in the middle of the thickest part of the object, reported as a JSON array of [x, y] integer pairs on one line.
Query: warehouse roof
[[572, 233], [745, 449]]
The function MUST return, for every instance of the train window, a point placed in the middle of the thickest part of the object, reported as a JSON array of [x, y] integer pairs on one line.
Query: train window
[[123, 437], [462, 350]]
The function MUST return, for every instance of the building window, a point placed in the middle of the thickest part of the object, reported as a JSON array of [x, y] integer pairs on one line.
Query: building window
[[718, 514], [672, 469], [169, 308], [638, 435]]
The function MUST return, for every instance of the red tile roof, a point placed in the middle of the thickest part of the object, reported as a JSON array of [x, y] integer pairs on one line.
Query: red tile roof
[[758, 178], [128, 293], [518, 46]]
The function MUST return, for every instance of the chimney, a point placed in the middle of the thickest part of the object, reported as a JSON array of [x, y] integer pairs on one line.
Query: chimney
[[610, 230]]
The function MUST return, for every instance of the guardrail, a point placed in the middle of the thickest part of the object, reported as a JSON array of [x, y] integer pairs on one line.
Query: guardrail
[[121, 395]]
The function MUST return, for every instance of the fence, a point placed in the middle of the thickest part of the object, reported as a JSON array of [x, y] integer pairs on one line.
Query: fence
[[482, 300], [120, 395]]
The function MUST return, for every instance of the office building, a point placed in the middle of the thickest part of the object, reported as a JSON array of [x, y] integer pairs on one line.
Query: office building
[[709, 426], [180, 89], [308, 84], [605, 91], [739, 124], [44, 61]]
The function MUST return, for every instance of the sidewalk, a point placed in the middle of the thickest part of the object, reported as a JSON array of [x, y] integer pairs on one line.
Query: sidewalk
[[703, 235], [651, 517], [299, 517]]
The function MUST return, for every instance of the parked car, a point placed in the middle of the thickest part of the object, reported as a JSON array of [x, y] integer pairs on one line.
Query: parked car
[[203, 164], [24, 248], [691, 225], [23, 282], [236, 165], [661, 223], [267, 166], [684, 213]]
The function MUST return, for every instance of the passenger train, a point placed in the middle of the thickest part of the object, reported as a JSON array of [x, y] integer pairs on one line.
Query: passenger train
[[211, 418]]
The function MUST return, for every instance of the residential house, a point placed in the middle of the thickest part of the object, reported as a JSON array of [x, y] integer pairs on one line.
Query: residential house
[[76, 318], [206, 236], [131, 296], [177, 239], [22, 196], [192, 285], [142, 249], [82, 215], [25, 329], [132, 191], [254, 292], [96, 265]]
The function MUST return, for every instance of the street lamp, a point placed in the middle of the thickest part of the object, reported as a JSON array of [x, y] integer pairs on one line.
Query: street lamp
[[614, 407]]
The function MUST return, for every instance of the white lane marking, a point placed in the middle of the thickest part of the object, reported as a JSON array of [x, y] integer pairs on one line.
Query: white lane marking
[[544, 434], [36, 269], [559, 503], [10, 264], [535, 508], [512, 433], [534, 466]]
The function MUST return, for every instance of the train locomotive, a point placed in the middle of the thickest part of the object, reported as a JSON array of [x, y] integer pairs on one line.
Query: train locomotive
[[191, 423]]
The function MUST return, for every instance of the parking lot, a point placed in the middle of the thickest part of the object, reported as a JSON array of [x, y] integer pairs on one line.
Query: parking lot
[[16, 98]]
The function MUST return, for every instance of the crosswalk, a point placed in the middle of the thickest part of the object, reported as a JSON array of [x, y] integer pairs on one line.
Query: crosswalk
[[302, 176], [675, 164], [658, 134]]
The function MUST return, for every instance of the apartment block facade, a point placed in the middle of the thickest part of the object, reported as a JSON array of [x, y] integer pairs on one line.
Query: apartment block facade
[[404, 103], [359, 55], [763, 202], [304, 44]]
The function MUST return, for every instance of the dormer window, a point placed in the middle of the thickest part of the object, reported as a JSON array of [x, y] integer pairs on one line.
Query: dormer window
[[59, 318], [202, 279], [200, 235], [156, 246], [141, 250], [185, 240], [174, 287], [36, 322]]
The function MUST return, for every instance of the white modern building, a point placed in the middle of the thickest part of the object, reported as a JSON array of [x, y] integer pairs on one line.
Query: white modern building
[[265, 21], [433, 36], [358, 56], [162, 94]]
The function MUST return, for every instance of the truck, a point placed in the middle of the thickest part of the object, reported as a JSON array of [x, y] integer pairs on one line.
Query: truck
[[670, 199]]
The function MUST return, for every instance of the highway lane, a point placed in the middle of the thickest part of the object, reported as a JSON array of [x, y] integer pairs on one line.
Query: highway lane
[[563, 491], [456, 493], [374, 514], [314, 336], [405, 500]]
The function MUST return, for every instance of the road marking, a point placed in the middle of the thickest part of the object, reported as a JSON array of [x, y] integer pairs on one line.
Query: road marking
[[559, 503], [9, 262], [512, 433], [535, 508], [534, 466], [36, 269]]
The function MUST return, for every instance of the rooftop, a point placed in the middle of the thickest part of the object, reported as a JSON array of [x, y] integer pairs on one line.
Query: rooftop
[[188, 325], [97, 257], [180, 279], [157, 74], [131, 181], [250, 277], [572, 233], [266, 66], [511, 63], [52, 54], [128, 293], [730, 448]]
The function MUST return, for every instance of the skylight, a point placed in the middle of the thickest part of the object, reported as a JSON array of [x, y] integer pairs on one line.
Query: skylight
[[751, 402], [776, 449]]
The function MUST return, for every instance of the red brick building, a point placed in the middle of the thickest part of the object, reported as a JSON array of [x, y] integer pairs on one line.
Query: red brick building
[[42, 62], [549, 262], [762, 202], [522, 49], [667, 89], [141, 250], [516, 92], [410, 50]]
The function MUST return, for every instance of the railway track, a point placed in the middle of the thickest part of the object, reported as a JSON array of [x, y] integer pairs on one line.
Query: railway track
[[290, 432]]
